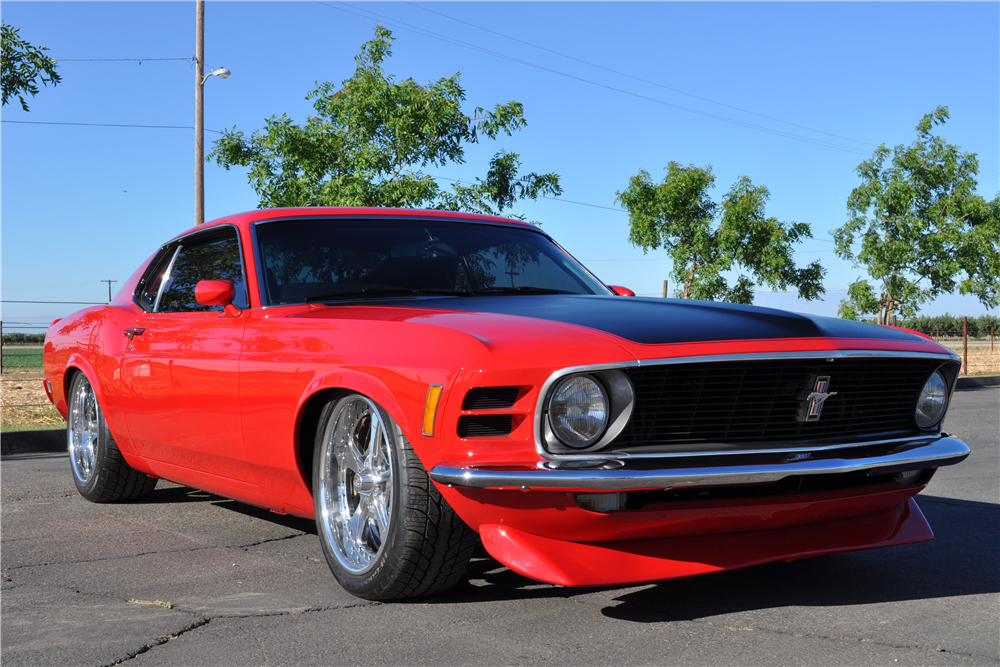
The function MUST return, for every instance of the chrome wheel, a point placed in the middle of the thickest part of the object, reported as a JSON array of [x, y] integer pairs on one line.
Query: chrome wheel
[[83, 429], [355, 475]]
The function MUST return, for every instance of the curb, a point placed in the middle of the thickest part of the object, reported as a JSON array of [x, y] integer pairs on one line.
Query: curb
[[33, 442], [982, 381]]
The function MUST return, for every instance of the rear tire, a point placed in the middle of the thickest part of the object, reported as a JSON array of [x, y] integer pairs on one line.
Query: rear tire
[[386, 531], [100, 472]]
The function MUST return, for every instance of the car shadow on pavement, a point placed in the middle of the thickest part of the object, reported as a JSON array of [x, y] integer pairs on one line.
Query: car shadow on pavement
[[178, 494], [286, 520], [961, 560]]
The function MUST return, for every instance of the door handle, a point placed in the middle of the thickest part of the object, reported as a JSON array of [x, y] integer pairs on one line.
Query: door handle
[[133, 332]]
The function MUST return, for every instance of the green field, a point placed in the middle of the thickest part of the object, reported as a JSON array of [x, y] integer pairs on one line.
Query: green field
[[22, 357], [14, 428]]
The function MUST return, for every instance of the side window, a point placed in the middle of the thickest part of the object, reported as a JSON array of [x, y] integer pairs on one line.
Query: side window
[[211, 258]]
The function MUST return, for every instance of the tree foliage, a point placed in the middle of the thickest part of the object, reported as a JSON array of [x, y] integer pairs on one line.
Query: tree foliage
[[370, 139], [18, 338], [23, 65], [706, 239], [952, 326], [918, 228]]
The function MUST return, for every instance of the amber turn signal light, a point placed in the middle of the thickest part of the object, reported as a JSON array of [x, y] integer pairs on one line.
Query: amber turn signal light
[[430, 408]]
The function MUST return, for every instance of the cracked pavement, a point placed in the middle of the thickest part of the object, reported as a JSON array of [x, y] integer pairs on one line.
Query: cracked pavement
[[188, 578]]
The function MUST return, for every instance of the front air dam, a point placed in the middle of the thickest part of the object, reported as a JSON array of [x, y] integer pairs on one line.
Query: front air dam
[[639, 561]]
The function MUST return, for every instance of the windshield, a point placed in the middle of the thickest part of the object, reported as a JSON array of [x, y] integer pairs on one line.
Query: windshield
[[350, 258]]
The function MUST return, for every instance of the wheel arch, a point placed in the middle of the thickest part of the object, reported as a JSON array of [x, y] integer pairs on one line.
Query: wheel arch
[[77, 363], [330, 389]]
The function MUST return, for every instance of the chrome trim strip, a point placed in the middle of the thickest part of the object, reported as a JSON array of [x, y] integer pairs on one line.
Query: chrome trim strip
[[945, 451], [166, 278], [759, 356], [624, 456]]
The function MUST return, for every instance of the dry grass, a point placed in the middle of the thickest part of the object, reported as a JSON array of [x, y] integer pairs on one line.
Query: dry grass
[[23, 401], [982, 360]]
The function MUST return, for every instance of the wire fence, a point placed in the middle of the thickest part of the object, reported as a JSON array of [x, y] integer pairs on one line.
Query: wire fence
[[24, 402]]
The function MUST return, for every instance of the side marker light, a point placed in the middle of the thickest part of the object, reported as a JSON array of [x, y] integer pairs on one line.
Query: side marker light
[[430, 408]]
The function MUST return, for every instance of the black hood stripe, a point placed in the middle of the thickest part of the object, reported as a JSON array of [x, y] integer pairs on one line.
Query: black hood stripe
[[660, 321]]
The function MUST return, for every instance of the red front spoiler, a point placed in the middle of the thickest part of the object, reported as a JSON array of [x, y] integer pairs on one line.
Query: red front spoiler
[[640, 561]]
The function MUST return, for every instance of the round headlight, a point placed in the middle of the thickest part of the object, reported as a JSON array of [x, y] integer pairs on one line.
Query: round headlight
[[932, 402], [578, 411]]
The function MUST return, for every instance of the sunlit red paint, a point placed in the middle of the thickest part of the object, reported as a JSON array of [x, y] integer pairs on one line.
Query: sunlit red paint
[[217, 401]]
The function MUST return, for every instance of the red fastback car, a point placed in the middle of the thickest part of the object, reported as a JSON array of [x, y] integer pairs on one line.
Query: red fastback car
[[418, 381]]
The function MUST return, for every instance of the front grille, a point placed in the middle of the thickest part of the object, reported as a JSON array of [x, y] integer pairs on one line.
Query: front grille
[[760, 403], [478, 426]]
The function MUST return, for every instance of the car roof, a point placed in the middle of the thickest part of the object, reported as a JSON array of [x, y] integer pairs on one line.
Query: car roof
[[248, 217]]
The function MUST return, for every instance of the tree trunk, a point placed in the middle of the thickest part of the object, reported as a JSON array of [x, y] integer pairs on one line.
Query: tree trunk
[[690, 280]]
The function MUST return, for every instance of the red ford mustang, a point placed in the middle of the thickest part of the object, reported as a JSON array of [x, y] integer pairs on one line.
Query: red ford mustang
[[421, 380]]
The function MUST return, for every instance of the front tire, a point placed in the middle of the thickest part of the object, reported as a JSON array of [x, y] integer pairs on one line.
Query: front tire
[[100, 472], [385, 529]]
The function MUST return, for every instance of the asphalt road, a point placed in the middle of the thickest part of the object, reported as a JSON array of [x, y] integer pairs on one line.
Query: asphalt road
[[246, 587]]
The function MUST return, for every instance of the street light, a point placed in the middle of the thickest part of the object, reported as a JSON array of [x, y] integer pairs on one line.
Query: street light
[[222, 73], [199, 113]]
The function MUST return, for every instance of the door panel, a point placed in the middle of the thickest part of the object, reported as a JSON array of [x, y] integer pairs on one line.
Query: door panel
[[181, 391], [180, 369]]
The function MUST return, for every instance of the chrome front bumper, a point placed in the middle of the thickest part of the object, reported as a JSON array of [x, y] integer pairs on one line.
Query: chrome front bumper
[[920, 455]]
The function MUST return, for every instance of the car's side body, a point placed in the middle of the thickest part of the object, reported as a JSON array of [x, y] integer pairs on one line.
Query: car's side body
[[230, 402]]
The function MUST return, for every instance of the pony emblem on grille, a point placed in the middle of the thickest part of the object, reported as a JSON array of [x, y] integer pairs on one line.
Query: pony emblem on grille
[[815, 400]]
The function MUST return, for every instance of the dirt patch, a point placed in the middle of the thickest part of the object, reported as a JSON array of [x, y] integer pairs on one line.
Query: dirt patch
[[23, 400]]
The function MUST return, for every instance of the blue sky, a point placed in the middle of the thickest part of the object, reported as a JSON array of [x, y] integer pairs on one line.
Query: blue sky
[[83, 204]]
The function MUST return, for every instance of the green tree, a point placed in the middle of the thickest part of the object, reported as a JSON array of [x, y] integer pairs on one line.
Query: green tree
[[369, 140], [23, 65], [706, 239], [918, 228]]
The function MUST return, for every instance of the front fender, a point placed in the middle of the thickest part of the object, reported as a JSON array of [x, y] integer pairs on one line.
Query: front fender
[[355, 381]]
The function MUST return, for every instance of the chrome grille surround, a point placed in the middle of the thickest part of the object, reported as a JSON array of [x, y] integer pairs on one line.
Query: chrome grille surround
[[608, 451]]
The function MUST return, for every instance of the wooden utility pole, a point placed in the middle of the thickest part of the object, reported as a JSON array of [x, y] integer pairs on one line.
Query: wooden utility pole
[[199, 116], [109, 287], [965, 345], [664, 289]]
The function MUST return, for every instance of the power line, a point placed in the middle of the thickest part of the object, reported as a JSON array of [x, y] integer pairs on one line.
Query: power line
[[427, 33], [75, 303], [608, 208], [636, 78], [22, 323], [115, 60], [158, 127], [433, 35], [565, 201]]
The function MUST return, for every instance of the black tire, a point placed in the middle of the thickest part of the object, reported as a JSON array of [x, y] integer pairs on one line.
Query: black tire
[[100, 472], [419, 546]]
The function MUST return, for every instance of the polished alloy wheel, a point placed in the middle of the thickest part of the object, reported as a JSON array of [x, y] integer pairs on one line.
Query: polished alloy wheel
[[83, 429], [356, 484]]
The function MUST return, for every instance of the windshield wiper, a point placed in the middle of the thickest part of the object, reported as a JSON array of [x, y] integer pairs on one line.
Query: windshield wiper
[[386, 292], [523, 289]]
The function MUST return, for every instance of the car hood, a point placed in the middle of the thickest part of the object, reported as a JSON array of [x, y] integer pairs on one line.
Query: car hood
[[647, 321]]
